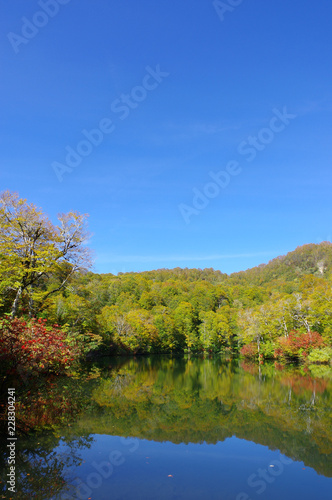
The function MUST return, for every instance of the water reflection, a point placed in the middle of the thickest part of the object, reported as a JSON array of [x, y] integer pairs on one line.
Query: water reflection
[[172, 400], [199, 400]]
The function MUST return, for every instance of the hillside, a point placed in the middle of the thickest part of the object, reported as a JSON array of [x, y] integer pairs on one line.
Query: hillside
[[169, 310], [177, 310], [314, 259]]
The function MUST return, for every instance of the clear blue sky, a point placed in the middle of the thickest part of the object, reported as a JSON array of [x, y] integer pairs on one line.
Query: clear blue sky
[[180, 89]]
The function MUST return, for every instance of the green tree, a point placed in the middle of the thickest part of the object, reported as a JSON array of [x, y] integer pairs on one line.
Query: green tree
[[170, 338], [34, 251], [185, 323]]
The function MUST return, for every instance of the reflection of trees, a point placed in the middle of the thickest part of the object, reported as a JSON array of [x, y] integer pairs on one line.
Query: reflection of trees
[[207, 400], [304, 383], [43, 473], [43, 406], [52, 401], [174, 399]]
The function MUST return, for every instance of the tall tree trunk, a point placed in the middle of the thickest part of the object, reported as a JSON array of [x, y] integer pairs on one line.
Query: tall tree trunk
[[31, 303], [16, 302]]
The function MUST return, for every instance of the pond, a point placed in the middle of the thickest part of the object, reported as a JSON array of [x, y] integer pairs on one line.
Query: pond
[[177, 428]]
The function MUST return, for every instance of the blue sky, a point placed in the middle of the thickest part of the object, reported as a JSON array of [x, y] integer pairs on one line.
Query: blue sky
[[180, 92]]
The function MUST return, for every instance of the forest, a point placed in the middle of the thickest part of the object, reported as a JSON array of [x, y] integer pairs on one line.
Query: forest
[[55, 311]]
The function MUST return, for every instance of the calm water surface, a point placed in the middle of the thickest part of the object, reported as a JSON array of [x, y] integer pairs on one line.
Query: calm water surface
[[172, 428]]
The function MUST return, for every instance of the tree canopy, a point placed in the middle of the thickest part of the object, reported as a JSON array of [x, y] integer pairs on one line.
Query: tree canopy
[[37, 257], [275, 309]]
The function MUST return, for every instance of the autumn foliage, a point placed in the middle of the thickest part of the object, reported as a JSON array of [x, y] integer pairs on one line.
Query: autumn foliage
[[44, 272], [295, 346], [298, 344], [249, 350], [35, 347]]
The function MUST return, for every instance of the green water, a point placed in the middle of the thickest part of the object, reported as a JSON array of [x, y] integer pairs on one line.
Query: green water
[[178, 428]]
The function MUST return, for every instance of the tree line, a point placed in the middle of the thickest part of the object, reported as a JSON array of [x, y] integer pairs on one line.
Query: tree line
[[281, 309]]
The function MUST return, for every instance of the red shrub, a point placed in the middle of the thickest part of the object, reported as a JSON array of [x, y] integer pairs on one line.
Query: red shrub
[[298, 344], [249, 351], [35, 346]]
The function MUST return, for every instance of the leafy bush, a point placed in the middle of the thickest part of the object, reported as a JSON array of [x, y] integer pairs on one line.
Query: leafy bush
[[249, 351], [34, 346], [320, 355], [298, 345], [267, 350]]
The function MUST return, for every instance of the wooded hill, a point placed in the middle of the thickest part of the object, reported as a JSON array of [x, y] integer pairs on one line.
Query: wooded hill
[[279, 309], [203, 309]]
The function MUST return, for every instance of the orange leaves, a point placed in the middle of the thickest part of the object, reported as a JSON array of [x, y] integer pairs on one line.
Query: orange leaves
[[299, 344], [35, 346]]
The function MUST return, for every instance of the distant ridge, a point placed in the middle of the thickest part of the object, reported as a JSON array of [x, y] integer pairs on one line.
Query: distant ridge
[[315, 259], [311, 258]]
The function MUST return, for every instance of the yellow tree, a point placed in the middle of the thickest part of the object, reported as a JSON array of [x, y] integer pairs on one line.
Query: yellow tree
[[249, 324], [184, 320], [37, 258]]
